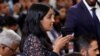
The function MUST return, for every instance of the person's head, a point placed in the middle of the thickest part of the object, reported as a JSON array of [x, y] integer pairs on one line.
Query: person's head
[[88, 45], [57, 23], [17, 8], [39, 17], [91, 2], [4, 8], [11, 23], [34, 1], [44, 1], [1, 2], [9, 41], [63, 12], [64, 3]]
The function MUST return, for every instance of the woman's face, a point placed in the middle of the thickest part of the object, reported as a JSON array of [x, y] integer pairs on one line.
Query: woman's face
[[48, 20], [62, 13]]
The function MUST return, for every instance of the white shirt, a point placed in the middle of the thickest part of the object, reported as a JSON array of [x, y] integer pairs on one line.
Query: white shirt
[[89, 9], [52, 38], [98, 1]]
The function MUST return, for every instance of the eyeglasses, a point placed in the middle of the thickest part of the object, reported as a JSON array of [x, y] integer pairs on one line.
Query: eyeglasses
[[13, 50]]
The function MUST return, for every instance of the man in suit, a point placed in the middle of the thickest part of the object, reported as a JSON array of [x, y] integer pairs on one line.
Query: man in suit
[[82, 20]]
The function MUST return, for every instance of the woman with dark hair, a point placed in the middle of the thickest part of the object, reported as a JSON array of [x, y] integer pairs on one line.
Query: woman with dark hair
[[35, 41]]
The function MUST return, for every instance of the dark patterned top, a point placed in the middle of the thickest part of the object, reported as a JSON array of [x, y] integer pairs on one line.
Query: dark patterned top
[[33, 47]]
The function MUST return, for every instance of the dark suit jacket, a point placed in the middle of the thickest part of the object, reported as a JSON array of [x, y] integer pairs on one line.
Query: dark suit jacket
[[80, 21]]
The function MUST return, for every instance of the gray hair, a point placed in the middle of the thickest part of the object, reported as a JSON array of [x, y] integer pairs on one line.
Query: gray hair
[[9, 37]]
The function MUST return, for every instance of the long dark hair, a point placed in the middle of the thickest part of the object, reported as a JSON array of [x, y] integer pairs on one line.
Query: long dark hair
[[33, 26]]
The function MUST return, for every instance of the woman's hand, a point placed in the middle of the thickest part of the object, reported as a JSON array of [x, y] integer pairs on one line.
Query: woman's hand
[[61, 42]]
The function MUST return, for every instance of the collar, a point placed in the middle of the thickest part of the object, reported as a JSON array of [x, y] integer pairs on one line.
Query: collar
[[89, 7]]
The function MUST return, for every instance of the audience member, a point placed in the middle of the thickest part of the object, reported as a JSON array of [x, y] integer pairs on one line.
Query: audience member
[[88, 45], [4, 9], [9, 42], [11, 23], [35, 41], [63, 14], [66, 3]]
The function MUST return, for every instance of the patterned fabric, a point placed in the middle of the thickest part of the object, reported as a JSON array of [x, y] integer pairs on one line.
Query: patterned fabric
[[33, 47]]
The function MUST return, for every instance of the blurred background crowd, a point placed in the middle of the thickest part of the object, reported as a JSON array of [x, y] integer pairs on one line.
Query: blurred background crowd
[[14, 12]]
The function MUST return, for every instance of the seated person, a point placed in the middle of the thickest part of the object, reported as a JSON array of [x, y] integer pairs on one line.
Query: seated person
[[88, 45], [35, 41], [11, 23], [9, 41]]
